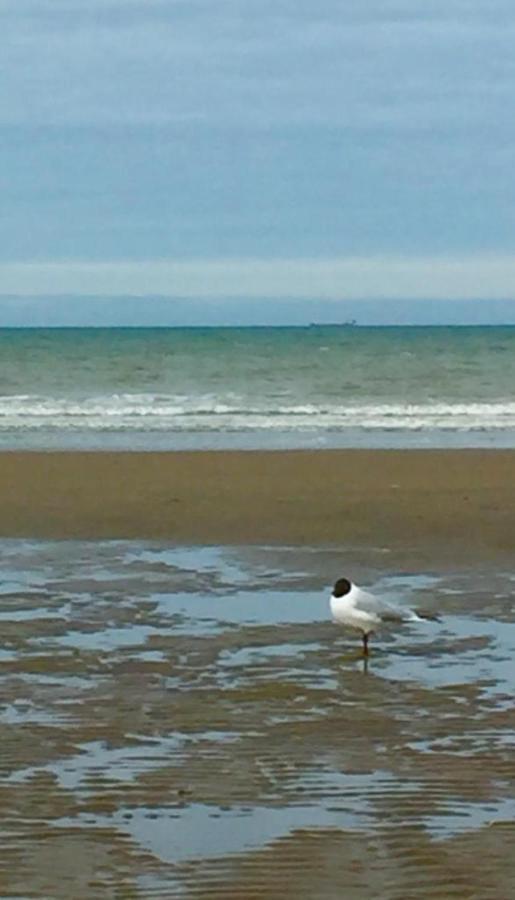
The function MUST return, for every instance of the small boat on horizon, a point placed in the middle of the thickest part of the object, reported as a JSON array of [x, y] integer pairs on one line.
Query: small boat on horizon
[[350, 323]]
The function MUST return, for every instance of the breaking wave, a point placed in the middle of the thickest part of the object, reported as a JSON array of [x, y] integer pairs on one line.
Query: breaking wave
[[210, 413]]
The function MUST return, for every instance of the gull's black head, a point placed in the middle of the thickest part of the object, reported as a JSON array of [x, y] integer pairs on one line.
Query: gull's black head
[[343, 586]]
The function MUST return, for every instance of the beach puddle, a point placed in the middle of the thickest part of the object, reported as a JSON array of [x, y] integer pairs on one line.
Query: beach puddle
[[188, 722]]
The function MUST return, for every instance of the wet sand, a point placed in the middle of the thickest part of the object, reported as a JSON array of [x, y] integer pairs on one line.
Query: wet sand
[[180, 720], [441, 504], [187, 722]]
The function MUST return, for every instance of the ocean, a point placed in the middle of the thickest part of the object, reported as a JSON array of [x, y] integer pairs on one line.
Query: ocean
[[186, 721], [318, 386]]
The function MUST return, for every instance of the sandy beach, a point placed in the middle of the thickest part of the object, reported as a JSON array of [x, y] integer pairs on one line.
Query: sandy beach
[[452, 504], [181, 716]]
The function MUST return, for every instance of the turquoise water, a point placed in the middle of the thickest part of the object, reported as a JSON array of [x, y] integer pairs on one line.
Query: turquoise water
[[318, 386]]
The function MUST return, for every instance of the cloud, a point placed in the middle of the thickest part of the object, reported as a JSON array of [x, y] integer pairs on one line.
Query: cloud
[[376, 64], [330, 279], [136, 129]]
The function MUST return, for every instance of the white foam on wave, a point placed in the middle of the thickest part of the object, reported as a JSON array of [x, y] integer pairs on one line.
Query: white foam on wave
[[232, 413]]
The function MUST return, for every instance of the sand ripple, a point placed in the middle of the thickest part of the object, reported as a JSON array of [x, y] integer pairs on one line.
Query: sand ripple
[[189, 723]]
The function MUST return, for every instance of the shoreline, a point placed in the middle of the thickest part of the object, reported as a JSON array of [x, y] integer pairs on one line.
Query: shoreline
[[449, 505], [270, 442]]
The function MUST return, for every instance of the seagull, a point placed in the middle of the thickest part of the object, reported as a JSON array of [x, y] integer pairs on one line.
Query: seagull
[[352, 606]]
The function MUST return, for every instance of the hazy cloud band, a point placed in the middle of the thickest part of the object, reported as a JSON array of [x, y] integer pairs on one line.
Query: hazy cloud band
[[491, 277]]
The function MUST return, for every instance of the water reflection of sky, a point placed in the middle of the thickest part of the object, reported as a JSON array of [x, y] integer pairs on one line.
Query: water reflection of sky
[[255, 638]]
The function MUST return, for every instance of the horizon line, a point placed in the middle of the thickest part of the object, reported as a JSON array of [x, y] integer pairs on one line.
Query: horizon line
[[276, 326]]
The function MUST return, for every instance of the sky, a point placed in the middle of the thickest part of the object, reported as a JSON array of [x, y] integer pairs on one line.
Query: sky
[[237, 153]]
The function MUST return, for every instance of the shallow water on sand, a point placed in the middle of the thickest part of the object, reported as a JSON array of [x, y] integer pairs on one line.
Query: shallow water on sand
[[188, 723]]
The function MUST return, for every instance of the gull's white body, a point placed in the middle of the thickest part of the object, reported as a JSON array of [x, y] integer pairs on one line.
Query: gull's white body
[[363, 611]]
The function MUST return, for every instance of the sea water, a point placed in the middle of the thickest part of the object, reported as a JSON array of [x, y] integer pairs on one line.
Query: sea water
[[319, 386]]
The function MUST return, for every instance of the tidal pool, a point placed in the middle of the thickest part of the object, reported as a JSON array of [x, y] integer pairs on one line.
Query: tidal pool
[[188, 722]]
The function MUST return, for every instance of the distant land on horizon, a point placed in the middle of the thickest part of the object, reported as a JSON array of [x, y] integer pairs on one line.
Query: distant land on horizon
[[347, 326], [61, 311]]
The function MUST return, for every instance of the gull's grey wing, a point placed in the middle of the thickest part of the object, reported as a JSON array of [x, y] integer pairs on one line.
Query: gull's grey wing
[[387, 612]]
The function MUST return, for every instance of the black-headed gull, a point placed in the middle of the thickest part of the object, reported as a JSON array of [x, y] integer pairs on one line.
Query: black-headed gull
[[356, 608]]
